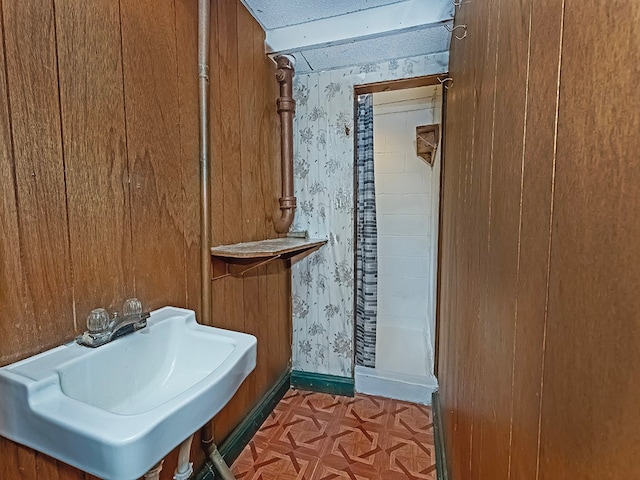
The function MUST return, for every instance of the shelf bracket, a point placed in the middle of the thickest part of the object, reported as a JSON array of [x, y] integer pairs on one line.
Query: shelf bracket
[[224, 268], [299, 256]]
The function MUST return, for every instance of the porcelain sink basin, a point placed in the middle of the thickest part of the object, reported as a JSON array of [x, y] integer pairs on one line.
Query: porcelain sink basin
[[117, 410]]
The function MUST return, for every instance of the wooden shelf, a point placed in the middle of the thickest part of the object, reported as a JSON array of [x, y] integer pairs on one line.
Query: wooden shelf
[[239, 258]]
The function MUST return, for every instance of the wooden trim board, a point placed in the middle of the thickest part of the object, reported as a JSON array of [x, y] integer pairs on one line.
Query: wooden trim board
[[436, 353], [400, 84], [442, 472], [318, 382]]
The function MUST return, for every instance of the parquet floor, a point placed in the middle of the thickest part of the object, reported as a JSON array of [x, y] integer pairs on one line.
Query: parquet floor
[[314, 436]]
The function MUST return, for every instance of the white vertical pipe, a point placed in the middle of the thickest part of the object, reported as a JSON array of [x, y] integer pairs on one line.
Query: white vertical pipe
[[204, 8], [220, 466], [185, 467]]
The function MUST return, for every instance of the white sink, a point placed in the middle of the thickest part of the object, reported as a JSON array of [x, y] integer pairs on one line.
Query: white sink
[[117, 410]]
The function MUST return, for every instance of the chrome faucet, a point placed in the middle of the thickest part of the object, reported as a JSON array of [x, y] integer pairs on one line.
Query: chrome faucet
[[103, 328]]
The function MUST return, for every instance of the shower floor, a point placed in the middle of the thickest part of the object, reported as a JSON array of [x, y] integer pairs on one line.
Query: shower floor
[[401, 367]]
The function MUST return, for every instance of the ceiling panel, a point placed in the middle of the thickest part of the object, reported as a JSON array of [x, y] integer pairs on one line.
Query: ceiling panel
[[373, 50], [280, 13]]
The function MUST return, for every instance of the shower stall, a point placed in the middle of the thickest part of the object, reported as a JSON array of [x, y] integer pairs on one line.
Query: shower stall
[[397, 240]]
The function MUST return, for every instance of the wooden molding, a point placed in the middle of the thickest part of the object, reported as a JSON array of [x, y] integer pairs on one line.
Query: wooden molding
[[400, 84], [318, 382], [442, 471]]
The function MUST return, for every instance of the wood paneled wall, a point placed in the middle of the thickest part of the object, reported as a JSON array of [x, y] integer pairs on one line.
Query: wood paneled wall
[[99, 179], [540, 323]]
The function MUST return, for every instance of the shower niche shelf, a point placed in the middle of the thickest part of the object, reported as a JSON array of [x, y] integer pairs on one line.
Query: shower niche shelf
[[427, 137], [239, 258]]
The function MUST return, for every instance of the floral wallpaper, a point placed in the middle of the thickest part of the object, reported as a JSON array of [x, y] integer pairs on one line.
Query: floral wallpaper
[[323, 283]]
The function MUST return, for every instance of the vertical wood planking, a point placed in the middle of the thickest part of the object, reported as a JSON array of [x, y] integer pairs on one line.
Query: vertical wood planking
[[230, 124], [456, 121], [451, 168], [483, 89], [250, 179], [284, 316], [281, 270], [11, 273], [446, 207], [50, 469], [152, 122], [546, 23], [486, 86], [263, 192], [32, 79], [248, 153], [30, 327], [217, 185], [504, 230], [122, 139], [456, 168], [218, 310], [274, 309], [269, 140], [188, 115], [265, 70], [273, 189], [249, 123], [590, 407], [500, 258], [92, 106], [464, 174], [233, 315], [18, 462]]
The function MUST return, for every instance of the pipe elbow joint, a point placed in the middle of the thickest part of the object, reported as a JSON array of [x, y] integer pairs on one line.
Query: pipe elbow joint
[[284, 223], [288, 208]]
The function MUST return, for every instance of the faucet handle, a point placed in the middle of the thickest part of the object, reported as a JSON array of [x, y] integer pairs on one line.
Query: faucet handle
[[98, 320], [132, 306]]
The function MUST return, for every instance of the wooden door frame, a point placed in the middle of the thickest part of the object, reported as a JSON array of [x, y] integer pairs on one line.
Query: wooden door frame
[[388, 86]]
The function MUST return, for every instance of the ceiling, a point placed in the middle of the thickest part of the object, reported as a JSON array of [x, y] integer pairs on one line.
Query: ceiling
[[328, 34]]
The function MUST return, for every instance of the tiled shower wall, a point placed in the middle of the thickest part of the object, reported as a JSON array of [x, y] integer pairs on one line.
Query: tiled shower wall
[[407, 197], [323, 283]]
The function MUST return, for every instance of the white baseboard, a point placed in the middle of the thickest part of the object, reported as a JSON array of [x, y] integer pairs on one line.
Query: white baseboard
[[399, 386]]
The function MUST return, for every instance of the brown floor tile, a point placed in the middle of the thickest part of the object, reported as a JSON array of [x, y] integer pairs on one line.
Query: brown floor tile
[[315, 436]]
